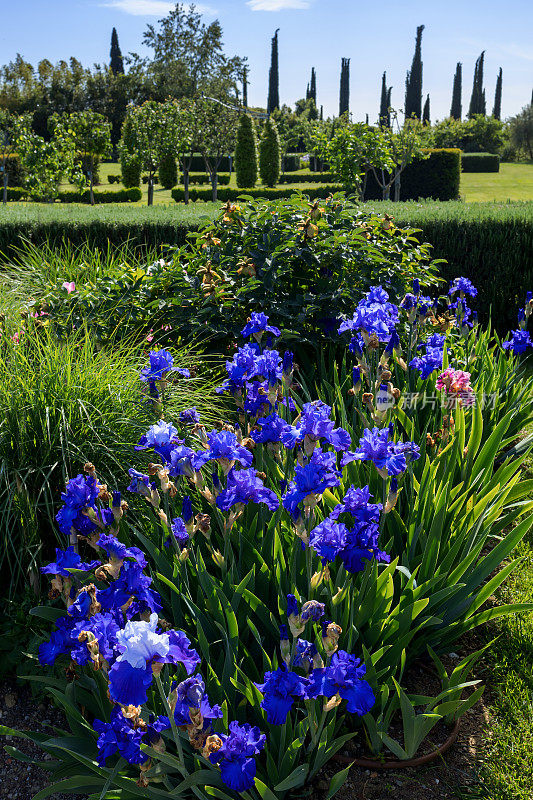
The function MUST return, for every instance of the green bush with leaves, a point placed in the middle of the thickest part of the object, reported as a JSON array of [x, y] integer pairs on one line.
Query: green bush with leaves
[[269, 154], [168, 170], [246, 152], [302, 263], [131, 168]]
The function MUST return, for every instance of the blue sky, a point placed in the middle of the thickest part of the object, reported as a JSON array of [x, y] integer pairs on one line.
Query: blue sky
[[374, 35]]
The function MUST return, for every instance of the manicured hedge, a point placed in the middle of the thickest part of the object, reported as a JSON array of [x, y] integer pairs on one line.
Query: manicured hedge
[[480, 162], [308, 177], [437, 177], [200, 178], [14, 171], [313, 192], [106, 196], [198, 163]]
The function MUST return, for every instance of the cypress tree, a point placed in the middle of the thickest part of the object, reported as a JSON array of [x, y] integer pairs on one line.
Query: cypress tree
[[321, 112], [384, 116], [425, 114], [116, 62], [389, 105], [413, 82], [307, 93], [246, 153], [497, 110], [477, 100], [344, 94], [312, 87], [273, 76], [269, 154], [456, 109], [245, 87]]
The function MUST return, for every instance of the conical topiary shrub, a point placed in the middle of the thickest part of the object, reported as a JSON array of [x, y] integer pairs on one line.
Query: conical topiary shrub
[[246, 153], [270, 154]]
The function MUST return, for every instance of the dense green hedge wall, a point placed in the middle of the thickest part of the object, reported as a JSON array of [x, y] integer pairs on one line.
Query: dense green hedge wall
[[480, 162], [437, 178], [14, 171], [308, 177], [105, 196], [168, 171], [313, 192], [200, 178], [490, 243]]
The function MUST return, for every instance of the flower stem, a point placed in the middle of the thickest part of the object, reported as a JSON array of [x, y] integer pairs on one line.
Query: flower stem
[[170, 715]]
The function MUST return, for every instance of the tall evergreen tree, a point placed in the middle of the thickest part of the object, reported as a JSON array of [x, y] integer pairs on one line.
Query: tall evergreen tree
[[344, 94], [456, 109], [245, 86], [312, 85], [497, 110], [413, 82], [273, 76], [478, 103], [321, 112], [116, 61], [246, 155], [426, 113], [384, 115]]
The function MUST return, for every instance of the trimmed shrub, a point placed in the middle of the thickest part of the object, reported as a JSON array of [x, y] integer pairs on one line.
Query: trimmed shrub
[[291, 162], [202, 178], [168, 171], [270, 154], [246, 152], [14, 170], [480, 162], [308, 177], [312, 192], [198, 163], [113, 178], [73, 196], [130, 166], [437, 178]]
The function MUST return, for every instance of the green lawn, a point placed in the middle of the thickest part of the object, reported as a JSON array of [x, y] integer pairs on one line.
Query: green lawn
[[512, 182]]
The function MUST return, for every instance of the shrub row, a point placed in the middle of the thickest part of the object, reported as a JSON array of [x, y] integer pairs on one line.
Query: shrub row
[[437, 178], [489, 243], [201, 178], [480, 162], [313, 192], [308, 177], [73, 196]]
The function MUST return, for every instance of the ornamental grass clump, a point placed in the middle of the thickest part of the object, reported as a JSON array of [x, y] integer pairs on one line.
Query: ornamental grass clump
[[291, 562]]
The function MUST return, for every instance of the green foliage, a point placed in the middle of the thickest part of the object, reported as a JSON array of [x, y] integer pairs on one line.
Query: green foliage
[[168, 170], [269, 154], [271, 257], [413, 82], [200, 178], [246, 152], [456, 109], [438, 177], [478, 103], [14, 170], [45, 163], [131, 168], [74, 196], [521, 131], [312, 192], [479, 134], [480, 162]]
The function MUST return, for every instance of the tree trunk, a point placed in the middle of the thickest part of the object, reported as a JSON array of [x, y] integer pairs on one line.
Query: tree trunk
[[385, 192], [4, 193], [214, 184], [185, 184], [91, 193], [151, 190], [397, 187]]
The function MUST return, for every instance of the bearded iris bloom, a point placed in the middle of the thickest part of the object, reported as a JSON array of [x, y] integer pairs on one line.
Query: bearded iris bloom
[[374, 314], [280, 689], [224, 448], [161, 438], [141, 646], [464, 286], [311, 480], [519, 342], [269, 429], [315, 424], [390, 458], [345, 678], [179, 531], [189, 417], [81, 493], [190, 694], [161, 362], [328, 539], [67, 560], [243, 486], [117, 550], [257, 325], [236, 755], [119, 736]]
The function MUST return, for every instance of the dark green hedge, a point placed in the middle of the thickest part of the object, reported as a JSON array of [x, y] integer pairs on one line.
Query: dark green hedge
[[291, 162], [480, 162], [105, 196], [313, 192], [200, 178], [308, 177], [437, 178], [14, 171], [198, 163]]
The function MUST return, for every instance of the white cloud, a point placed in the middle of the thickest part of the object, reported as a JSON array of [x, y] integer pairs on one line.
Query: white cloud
[[277, 5], [150, 8]]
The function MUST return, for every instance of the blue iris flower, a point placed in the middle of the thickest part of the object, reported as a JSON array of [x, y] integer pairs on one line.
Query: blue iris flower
[[119, 736], [105, 629], [160, 363], [243, 486], [388, 456], [118, 550], [280, 689], [344, 677], [519, 342], [315, 423], [328, 539], [68, 559], [224, 448], [189, 417], [374, 314], [236, 756], [179, 531], [190, 693], [269, 429], [464, 285], [81, 492], [312, 479], [258, 324], [161, 437]]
